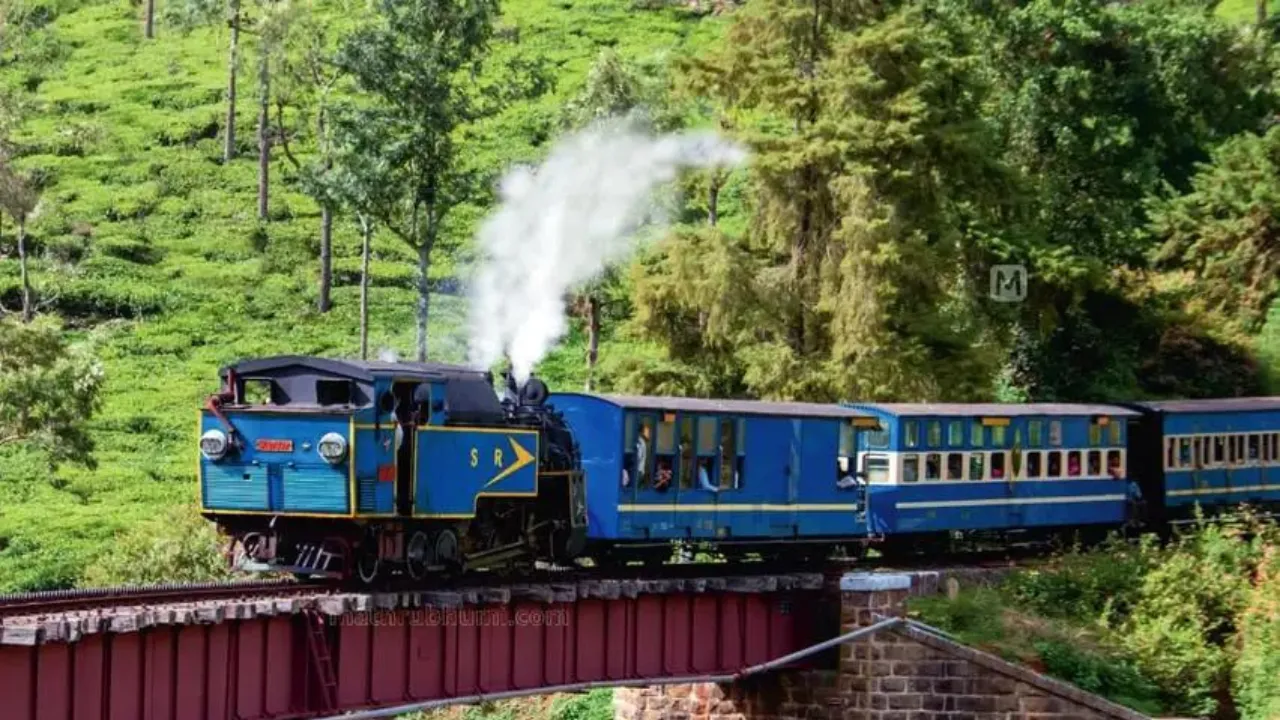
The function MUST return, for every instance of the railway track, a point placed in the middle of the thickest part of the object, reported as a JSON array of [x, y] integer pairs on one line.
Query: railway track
[[53, 602]]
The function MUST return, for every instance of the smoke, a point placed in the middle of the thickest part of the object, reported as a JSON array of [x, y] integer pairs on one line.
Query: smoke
[[563, 224], [388, 355]]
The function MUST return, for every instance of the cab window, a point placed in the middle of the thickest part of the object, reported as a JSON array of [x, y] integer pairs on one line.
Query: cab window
[[629, 456], [878, 438]]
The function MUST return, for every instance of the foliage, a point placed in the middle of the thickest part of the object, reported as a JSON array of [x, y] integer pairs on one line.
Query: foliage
[[49, 389], [593, 705], [178, 546], [1254, 686], [1169, 629], [1224, 232]]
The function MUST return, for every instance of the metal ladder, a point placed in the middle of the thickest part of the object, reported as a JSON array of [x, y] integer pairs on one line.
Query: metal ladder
[[321, 660]]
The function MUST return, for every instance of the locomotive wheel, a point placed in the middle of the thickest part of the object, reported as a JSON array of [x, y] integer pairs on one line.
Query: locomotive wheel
[[447, 548], [418, 555]]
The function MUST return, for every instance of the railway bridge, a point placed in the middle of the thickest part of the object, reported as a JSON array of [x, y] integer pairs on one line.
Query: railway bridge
[[721, 647]]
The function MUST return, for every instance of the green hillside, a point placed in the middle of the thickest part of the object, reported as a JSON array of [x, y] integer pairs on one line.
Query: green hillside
[[147, 241]]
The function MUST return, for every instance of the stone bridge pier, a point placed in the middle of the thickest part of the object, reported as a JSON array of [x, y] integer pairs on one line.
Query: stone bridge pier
[[901, 671]]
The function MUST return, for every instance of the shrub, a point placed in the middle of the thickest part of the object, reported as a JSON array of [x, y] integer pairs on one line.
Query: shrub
[[179, 546], [1256, 676]]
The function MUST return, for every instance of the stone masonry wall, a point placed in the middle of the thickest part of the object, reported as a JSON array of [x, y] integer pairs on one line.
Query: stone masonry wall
[[901, 673]]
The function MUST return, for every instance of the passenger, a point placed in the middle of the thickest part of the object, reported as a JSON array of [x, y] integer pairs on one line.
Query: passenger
[[1073, 464], [704, 478], [662, 478], [844, 471], [642, 452]]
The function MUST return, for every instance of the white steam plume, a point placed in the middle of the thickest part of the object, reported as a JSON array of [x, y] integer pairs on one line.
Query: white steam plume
[[562, 225]]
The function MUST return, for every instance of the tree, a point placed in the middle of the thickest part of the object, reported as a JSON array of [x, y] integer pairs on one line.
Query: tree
[[19, 198], [1224, 234], [612, 88], [308, 79], [48, 390], [412, 62], [872, 186], [149, 19]]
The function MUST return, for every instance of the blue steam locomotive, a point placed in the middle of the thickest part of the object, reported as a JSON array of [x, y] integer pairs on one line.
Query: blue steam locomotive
[[368, 469]]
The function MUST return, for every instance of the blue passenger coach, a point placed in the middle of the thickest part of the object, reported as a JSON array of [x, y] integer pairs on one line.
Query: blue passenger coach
[[940, 468], [661, 468], [1219, 452]]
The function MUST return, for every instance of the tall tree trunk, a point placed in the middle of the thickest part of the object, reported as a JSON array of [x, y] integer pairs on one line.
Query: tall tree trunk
[[229, 151], [264, 131], [326, 256], [366, 234], [713, 199], [1260, 6], [424, 297], [28, 310], [149, 23], [593, 337]]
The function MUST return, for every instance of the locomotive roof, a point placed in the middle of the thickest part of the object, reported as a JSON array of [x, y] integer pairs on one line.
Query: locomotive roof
[[725, 407], [995, 409], [1242, 404], [364, 370]]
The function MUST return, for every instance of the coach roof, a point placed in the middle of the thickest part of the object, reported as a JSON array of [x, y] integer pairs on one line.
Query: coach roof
[[724, 407], [994, 409]]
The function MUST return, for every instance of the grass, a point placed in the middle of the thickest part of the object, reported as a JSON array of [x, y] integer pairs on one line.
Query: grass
[[149, 244]]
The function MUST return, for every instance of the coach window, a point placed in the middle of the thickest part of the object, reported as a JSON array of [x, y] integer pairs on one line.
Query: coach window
[[645, 450], [1252, 449], [955, 466], [933, 466], [1219, 450], [1035, 433], [1169, 445], [976, 462], [1114, 467], [935, 434], [1095, 434], [727, 451], [1268, 452], [1095, 463], [910, 468], [708, 449], [997, 466], [629, 451], [1033, 464], [1116, 430], [665, 455], [688, 465], [1233, 456], [1055, 432], [1240, 456], [955, 433], [1073, 463], [1184, 452], [1055, 464], [877, 469], [975, 436], [911, 429], [998, 436]]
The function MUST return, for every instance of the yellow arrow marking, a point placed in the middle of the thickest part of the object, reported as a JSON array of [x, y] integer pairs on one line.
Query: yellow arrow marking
[[523, 458]]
